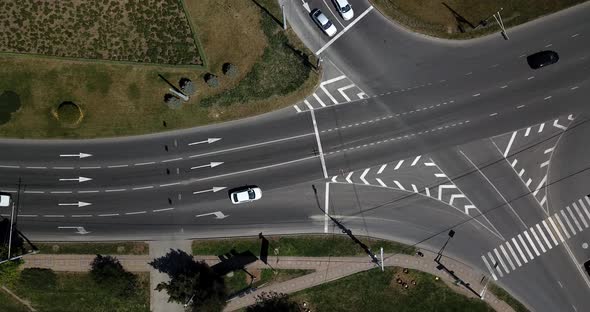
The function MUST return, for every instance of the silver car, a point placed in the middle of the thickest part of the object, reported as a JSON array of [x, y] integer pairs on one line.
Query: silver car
[[344, 9], [323, 22]]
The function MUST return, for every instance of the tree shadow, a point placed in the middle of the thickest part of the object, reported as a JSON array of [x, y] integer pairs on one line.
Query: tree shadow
[[461, 21], [268, 12], [301, 55]]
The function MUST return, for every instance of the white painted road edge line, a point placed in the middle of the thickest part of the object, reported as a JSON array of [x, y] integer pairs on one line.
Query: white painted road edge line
[[344, 30], [317, 137], [510, 144], [326, 206]]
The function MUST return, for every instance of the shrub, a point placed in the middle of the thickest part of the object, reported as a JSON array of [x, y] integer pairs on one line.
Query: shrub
[[108, 271], [172, 101], [211, 80], [69, 114], [230, 70], [187, 86]]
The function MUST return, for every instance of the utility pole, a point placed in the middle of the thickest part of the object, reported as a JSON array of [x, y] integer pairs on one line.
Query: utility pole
[[284, 15], [498, 19], [442, 267], [12, 221]]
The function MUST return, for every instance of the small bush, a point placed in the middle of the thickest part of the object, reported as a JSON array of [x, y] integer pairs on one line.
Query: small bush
[[230, 70], [172, 101], [211, 80], [69, 114], [108, 271], [187, 86]]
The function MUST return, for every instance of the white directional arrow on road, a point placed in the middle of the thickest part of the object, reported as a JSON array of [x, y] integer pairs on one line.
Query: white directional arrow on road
[[213, 164], [213, 189], [79, 179], [306, 6], [218, 215], [208, 141], [79, 204], [79, 155], [80, 229]]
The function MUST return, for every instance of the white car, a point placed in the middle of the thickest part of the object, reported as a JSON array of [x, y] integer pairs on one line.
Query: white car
[[344, 9], [5, 200], [245, 195], [323, 22]]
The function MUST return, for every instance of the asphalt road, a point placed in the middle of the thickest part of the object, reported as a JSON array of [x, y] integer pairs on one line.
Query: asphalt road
[[425, 96]]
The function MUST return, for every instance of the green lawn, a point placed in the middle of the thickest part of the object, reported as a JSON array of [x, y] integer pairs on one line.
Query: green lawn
[[432, 17], [506, 297], [73, 292], [378, 291], [120, 248], [9, 304], [305, 246], [239, 280]]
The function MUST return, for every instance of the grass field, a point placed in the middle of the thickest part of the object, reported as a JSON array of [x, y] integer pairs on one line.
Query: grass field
[[9, 304], [239, 280], [378, 291], [122, 248], [72, 292], [506, 297], [121, 99], [304, 246], [436, 18]]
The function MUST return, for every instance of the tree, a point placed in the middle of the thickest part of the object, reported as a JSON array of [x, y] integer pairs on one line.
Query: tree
[[172, 101], [271, 302], [211, 80], [108, 271], [192, 282], [187, 86], [230, 70]]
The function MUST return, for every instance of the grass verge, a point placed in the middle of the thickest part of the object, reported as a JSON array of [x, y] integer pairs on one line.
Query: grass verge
[[379, 291], [240, 280], [459, 19], [506, 297], [121, 248], [124, 99], [9, 304], [304, 246], [79, 292]]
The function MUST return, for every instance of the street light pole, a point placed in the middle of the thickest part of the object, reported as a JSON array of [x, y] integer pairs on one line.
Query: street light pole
[[284, 16]]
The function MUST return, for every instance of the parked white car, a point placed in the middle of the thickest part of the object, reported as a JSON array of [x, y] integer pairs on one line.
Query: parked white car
[[245, 195], [344, 8], [323, 22], [5, 200]]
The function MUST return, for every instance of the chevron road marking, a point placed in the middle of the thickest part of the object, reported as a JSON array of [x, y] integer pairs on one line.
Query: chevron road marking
[[557, 125], [444, 186], [401, 187], [364, 174], [510, 143], [341, 90], [381, 182], [382, 168], [349, 176], [467, 207], [416, 160], [454, 196], [399, 164], [317, 98]]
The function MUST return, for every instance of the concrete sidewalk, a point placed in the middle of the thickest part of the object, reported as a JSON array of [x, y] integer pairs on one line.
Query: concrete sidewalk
[[326, 269]]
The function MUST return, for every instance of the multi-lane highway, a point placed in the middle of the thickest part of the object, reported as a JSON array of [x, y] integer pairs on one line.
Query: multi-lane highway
[[434, 104]]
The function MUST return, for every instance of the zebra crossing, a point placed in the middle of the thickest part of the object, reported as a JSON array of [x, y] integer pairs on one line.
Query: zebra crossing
[[337, 90], [530, 155], [538, 239]]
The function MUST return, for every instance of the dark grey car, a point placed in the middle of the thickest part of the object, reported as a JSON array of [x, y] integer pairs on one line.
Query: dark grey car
[[542, 59]]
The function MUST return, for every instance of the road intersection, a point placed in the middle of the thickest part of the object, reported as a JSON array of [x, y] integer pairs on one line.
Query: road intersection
[[405, 138]]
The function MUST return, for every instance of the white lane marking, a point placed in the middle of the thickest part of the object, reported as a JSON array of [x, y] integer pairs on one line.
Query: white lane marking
[[171, 160], [477, 94], [136, 212], [504, 87], [332, 98], [501, 261], [416, 160], [530, 78], [108, 215], [547, 46], [341, 90], [549, 150], [567, 234], [32, 167], [556, 229], [117, 166], [317, 98], [525, 247], [493, 114], [545, 164], [427, 191], [520, 106], [381, 182], [319, 142], [575, 35], [91, 167], [556, 125], [9, 166], [326, 207], [543, 200], [513, 253], [507, 257], [145, 163], [169, 184], [429, 164], [34, 192], [54, 216], [527, 132], [344, 31], [521, 172], [297, 108], [514, 162], [62, 168], [532, 230], [541, 127], [538, 188], [27, 215], [115, 190], [363, 176], [381, 169], [574, 88], [485, 261], [399, 164], [415, 188], [522, 256], [580, 215], [547, 98], [528, 237], [61, 192], [252, 145], [142, 188], [309, 105], [329, 81], [401, 187], [88, 192], [496, 264], [544, 236], [574, 218], [510, 143], [160, 210], [528, 182], [81, 216], [550, 232]]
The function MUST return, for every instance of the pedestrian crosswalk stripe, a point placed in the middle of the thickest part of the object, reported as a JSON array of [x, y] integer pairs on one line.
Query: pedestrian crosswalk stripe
[[513, 253], [525, 247], [528, 237], [584, 208], [522, 256], [571, 227], [485, 261], [550, 232], [556, 216], [556, 229], [501, 261], [495, 264], [507, 257], [574, 218], [580, 215], [532, 230], [543, 235]]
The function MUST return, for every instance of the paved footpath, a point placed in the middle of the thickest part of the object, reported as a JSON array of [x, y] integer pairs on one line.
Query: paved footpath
[[327, 269]]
